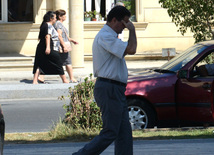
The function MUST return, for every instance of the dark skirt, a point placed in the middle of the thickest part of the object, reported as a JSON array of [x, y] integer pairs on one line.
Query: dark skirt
[[48, 64], [65, 58]]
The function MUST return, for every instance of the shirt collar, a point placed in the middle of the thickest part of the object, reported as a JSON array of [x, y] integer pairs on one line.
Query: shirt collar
[[109, 29]]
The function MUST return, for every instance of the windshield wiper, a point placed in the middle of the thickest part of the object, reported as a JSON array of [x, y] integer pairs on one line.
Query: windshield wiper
[[163, 71]]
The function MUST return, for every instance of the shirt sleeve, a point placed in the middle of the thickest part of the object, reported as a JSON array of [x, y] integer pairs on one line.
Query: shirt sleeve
[[58, 25], [113, 45], [50, 29]]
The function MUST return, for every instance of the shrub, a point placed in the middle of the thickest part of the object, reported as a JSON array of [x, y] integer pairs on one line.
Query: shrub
[[82, 111]]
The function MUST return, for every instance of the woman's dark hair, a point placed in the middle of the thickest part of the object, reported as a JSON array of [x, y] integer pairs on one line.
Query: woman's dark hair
[[47, 17], [60, 13], [119, 12]]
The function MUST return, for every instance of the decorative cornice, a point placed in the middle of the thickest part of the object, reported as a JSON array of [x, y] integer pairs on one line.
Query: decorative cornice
[[88, 26], [96, 26]]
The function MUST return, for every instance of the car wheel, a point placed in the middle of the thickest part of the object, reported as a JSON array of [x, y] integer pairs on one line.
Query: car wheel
[[141, 115]]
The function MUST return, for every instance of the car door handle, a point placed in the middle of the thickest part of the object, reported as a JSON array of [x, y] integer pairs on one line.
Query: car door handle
[[206, 86]]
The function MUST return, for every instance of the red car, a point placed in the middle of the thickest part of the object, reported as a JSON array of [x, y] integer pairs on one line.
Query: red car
[[176, 94]]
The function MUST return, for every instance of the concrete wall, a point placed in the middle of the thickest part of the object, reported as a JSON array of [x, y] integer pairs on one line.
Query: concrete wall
[[22, 38], [18, 38], [161, 32]]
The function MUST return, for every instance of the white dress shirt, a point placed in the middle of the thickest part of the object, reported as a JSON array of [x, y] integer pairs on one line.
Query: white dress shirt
[[108, 55], [54, 37]]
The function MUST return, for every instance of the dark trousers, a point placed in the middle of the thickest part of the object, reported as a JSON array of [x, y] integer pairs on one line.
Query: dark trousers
[[116, 127]]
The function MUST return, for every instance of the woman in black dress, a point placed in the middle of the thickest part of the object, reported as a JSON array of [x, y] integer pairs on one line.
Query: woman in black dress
[[47, 59]]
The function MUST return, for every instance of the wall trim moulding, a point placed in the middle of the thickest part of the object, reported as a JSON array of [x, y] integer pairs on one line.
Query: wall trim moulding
[[96, 26]]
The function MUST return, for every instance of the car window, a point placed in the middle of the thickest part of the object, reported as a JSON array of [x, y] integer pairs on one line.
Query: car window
[[205, 67], [182, 59]]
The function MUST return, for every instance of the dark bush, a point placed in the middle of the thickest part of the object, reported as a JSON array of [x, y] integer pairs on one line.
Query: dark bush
[[82, 111]]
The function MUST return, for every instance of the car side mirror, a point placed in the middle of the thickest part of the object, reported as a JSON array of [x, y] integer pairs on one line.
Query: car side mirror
[[183, 74]]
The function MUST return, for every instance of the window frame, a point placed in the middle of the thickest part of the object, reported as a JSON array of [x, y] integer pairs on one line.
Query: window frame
[[93, 6], [4, 4], [3, 11]]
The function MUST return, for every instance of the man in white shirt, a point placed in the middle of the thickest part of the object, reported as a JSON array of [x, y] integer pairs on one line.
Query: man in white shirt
[[109, 92]]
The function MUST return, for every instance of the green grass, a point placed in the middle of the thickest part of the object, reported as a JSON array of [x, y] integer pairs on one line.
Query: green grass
[[178, 133], [62, 133]]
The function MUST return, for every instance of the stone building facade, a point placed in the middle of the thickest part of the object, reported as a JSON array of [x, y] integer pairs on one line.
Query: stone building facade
[[153, 26]]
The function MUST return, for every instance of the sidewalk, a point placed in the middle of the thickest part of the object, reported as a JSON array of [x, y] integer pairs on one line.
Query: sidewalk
[[18, 84]]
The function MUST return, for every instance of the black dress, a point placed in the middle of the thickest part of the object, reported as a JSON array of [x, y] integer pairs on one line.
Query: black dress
[[48, 64]]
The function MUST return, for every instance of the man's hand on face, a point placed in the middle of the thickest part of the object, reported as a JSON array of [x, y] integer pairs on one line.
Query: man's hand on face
[[129, 25]]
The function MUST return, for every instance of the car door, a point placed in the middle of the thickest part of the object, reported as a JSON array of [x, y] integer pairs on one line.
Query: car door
[[195, 99], [194, 90]]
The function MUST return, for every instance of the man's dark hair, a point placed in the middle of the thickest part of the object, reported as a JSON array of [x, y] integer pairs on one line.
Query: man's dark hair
[[119, 12]]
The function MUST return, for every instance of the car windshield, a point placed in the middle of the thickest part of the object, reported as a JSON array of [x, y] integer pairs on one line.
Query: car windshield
[[179, 61]]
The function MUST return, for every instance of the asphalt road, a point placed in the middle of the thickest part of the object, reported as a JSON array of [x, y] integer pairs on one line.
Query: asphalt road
[[37, 115], [31, 115], [142, 147]]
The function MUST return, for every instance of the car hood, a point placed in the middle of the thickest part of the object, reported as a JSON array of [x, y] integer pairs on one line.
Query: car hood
[[150, 83], [146, 75]]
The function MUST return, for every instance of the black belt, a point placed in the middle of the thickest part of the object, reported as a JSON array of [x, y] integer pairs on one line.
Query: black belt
[[111, 81]]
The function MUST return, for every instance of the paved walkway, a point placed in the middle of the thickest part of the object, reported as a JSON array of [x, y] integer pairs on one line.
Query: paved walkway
[[22, 77], [18, 84]]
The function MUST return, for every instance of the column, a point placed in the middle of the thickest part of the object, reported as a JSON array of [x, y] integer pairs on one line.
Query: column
[[139, 10], [76, 29], [59, 4]]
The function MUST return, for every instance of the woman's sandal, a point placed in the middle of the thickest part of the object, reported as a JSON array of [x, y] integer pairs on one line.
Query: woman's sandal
[[72, 81], [40, 81]]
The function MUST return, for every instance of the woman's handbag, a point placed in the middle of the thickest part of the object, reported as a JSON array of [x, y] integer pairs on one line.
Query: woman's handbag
[[67, 44]]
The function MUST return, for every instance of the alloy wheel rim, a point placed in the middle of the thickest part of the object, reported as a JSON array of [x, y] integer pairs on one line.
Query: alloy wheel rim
[[137, 118]]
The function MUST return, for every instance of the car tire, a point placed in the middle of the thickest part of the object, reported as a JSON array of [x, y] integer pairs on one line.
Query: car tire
[[141, 114]]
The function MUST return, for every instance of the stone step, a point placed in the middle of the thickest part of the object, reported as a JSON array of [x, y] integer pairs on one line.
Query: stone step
[[16, 67], [16, 60], [25, 63], [16, 63]]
